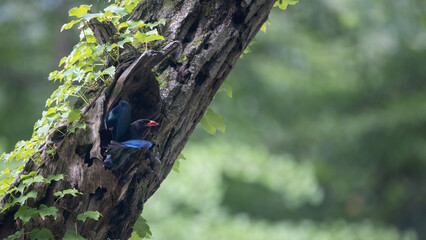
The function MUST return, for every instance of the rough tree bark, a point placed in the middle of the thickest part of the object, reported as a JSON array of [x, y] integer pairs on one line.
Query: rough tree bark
[[208, 37]]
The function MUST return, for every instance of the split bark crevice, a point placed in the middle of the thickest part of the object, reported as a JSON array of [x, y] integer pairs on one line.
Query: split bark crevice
[[203, 41]]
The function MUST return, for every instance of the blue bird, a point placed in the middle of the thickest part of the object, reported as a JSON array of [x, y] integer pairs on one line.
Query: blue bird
[[126, 137], [118, 120]]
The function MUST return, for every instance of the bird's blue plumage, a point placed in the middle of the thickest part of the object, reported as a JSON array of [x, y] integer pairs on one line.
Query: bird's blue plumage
[[119, 120], [137, 143], [126, 137]]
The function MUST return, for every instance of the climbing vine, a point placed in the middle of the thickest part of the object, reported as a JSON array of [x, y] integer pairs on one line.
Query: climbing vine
[[83, 71]]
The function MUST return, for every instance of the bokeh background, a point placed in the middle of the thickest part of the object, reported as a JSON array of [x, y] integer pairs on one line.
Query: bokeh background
[[326, 128]]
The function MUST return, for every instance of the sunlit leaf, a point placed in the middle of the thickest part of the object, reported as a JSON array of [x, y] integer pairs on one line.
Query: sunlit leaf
[[69, 25], [50, 112], [154, 37], [282, 4], [122, 25], [263, 28], [4, 172], [129, 4], [176, 165], [79, 11]]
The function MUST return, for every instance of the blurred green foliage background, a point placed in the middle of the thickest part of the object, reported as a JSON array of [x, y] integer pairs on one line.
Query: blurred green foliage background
[[326, 129]]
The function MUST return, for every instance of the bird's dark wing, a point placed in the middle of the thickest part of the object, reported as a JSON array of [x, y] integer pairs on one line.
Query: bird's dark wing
[[119, 120]]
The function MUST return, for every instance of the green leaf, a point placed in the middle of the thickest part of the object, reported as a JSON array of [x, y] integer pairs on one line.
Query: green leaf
[[120, 11], [72, 235], [130, 4], [227, 88], [69, 71], [30, 181], [122, 25], [55, 177], [74, 115], [89, 214], [140, 36], [139, 24], [23, 198], [263, 28], [151, 25], [110, 71], [51, 152], [91, 39], [89, 16], [176, 165], [154, 37], [41, 234], [15, 235], [212, 121], [47, 211], [32, 173], [25, 214], [4, 172], [142, 228], [282, 4], [4, 185], [43, 129], [50, 112], [109, 47], [207, 126], [122, 42], [72, 192], [69, 25], [79, 11], [79, 125]]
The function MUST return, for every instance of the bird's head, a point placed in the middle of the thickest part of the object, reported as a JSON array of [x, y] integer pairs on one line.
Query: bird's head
[[139, 128], [144, 123]]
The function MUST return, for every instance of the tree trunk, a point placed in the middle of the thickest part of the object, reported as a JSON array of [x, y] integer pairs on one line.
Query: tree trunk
[[207, 37]]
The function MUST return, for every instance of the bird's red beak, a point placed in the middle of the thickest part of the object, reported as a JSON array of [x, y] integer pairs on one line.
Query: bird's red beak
[[152, 124]]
